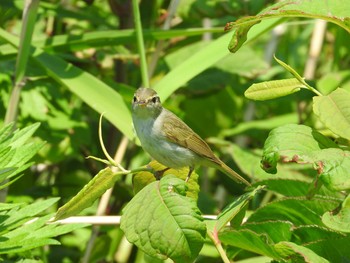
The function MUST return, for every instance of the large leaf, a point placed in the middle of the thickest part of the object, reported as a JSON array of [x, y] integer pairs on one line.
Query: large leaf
[[334, 111], [163, 222], [301, 144], [298, 210], [336, 11]]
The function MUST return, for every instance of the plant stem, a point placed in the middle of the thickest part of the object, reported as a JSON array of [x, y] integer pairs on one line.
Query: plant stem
[[140, 43], [219, 247]]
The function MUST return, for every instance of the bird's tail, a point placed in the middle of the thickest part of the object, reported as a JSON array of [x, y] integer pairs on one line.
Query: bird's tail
[[227, 170]]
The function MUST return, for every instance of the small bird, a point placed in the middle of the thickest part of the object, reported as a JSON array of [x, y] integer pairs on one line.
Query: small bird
[[169, 140]]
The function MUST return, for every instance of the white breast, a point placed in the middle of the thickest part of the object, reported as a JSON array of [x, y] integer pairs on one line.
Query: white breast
[[155, 144]]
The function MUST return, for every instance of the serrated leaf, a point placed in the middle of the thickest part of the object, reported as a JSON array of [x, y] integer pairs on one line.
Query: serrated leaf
[[339, 220], [251, 241], [88, 195], [297, 210], [273, 89], [334, 111], [302, 145], [292, 143], [163, 222], [335, 250], [333, 166], [20, 215], [305, 234], [5, 132], [141, 179], [22, 135], [276, 230], [298, 253]]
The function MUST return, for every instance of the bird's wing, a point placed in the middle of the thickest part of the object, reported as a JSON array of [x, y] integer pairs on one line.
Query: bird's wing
[[178, 132]]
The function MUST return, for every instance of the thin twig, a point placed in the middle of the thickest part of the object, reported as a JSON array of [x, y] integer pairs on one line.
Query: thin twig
[[315, 48]]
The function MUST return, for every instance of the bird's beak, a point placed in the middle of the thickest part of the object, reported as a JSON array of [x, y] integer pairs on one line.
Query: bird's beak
[[142, 104]]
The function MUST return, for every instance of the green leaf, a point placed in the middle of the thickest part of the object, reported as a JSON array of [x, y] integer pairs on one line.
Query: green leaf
[[141, 179], [336, 11], [273, 89], [163, 222], [333, 166], [249, 162], [298, 210], [90, 89], [334, 111], [29, 19], [277, 231], [339, 220], [68, 42], [305, 234], [251, 241], [202, 59], [292, 143], [23, 214], [234, 208], [302, 145], [88, 195], [298, 253], [335, 250]]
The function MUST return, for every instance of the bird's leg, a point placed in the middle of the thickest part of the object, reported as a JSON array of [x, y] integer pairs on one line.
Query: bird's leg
[[158, 174], [191, 168]]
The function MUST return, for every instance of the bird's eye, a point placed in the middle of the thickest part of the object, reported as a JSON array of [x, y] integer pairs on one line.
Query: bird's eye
[[155, 99], [134, 99]]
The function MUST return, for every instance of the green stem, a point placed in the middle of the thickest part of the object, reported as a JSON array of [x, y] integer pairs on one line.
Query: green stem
[[219, 247], [29, 18], [140, 44], [312, 89]]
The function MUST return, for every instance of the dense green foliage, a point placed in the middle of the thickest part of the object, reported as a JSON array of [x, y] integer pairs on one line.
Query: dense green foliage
[[283, 122]]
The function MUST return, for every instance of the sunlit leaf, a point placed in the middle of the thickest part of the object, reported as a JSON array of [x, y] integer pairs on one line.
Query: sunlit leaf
[[273, 89], [163, 222], [339, 220], [88, 195], [334, 111], [141, 179]]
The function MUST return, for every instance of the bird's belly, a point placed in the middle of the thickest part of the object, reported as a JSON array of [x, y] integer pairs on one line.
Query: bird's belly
[[163, 151], [170, 154]]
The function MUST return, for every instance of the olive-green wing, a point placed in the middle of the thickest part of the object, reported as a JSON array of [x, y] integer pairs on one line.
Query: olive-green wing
[[178, 132]]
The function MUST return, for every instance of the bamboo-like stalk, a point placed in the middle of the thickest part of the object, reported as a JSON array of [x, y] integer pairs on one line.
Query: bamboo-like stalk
[[140, 43]]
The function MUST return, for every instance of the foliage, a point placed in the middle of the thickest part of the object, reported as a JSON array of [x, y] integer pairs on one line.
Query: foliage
[[289, 135], [22, 226]]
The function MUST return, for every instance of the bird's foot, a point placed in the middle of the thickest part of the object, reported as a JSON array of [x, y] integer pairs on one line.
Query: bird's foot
[[159, 174]]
